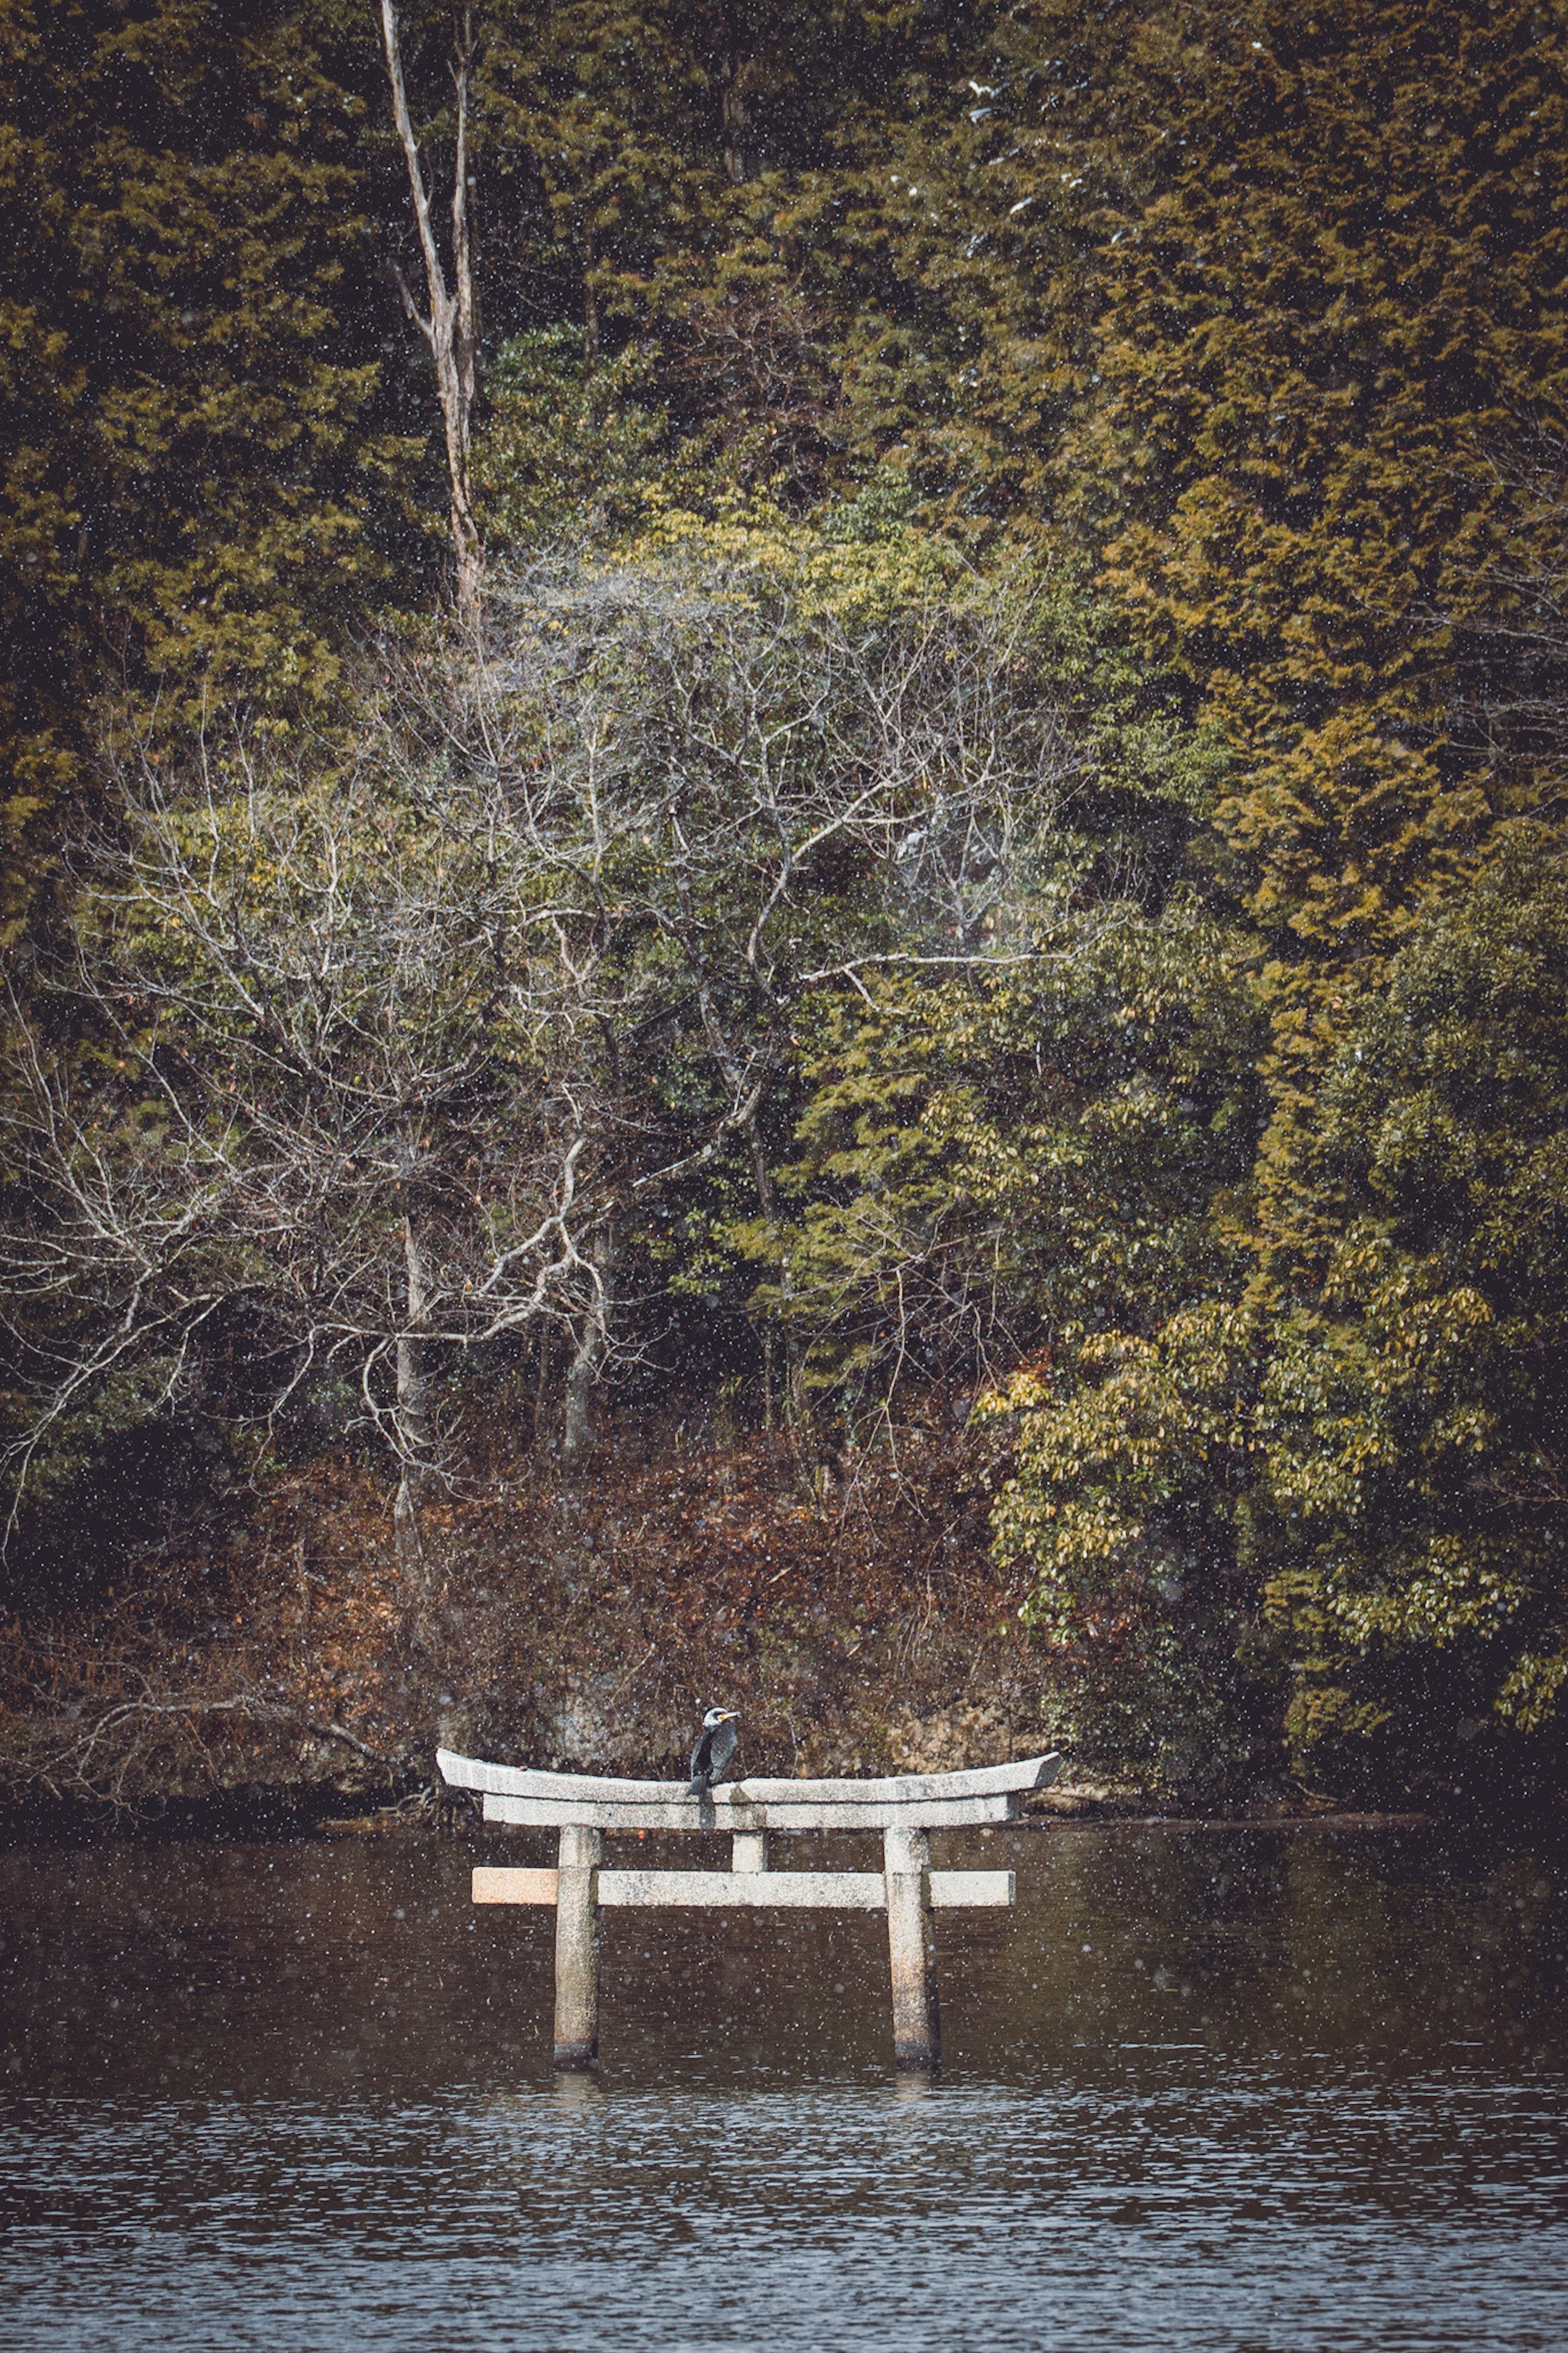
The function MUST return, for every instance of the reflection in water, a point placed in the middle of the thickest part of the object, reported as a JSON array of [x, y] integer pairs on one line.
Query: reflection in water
[[911, 2085], [576, 2093], [1217, 2089]]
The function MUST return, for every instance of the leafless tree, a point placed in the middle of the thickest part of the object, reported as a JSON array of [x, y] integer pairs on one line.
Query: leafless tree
[[365, 1060], [448, 322], [742, 800], [328, 1077]]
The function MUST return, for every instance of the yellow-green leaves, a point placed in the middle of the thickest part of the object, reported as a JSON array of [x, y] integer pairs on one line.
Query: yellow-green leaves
[[1034, 1148], [188, 465], [1414, 1407], [1315, 343]]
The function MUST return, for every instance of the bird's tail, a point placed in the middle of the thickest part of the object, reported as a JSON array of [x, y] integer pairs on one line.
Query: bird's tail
[[697, 1787]]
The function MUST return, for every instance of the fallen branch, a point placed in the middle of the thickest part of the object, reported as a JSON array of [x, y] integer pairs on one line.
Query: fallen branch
[[337, 1732]]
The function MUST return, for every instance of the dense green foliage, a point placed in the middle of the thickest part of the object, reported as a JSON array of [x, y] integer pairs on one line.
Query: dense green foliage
[[191, 464], [1413, 1410], [1002, 835]]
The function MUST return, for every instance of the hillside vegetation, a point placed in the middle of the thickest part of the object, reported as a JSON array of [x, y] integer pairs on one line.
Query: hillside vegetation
[[822, 741]]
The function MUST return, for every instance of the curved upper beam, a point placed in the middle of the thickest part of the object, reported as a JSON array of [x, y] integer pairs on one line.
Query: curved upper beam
[[895, 1789]]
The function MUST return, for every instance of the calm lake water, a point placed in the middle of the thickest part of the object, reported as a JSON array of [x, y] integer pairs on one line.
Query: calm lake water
[[1242, 2090]]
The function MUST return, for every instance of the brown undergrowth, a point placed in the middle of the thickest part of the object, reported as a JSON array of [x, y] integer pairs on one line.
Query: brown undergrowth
[[854, 1616]]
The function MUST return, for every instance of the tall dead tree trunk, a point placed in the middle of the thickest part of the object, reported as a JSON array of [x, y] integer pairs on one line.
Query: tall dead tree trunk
[[448, 325]]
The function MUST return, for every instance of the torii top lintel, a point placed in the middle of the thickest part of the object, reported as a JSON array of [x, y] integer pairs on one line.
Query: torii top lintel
[[522, 1796]]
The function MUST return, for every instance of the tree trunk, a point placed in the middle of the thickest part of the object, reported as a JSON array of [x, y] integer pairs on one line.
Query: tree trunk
[[542, 1390], [734, 115], [590, 304], [592, 1341], [768, 1202], [449, 325], [578, 1431], [413, 1421]]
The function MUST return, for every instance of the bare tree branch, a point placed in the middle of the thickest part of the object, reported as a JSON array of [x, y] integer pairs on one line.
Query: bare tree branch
[[448, 324]]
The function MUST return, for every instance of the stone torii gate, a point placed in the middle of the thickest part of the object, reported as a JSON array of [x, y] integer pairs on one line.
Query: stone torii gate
[[905, 1808]]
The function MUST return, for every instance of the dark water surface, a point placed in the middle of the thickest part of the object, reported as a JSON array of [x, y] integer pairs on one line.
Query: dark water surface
[[1247, 2091]]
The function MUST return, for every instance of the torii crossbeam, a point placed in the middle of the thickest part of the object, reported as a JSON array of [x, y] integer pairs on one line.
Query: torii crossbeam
[[905, 1808]]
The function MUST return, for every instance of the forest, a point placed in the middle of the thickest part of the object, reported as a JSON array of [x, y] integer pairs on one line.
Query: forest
[[785, 888]]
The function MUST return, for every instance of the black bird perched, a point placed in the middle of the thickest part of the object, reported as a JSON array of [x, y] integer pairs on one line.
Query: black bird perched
[[713, 1750]]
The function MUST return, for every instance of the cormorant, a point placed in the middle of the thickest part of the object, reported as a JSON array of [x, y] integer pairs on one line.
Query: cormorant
[[713, 1749]]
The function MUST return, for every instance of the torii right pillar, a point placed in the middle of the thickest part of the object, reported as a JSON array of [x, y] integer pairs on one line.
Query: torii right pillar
[[577, 1951], [912, 1952]]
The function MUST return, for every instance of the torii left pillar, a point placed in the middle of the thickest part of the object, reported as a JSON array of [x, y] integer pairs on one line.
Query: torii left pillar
[[912, 1952], [577, 1951]]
